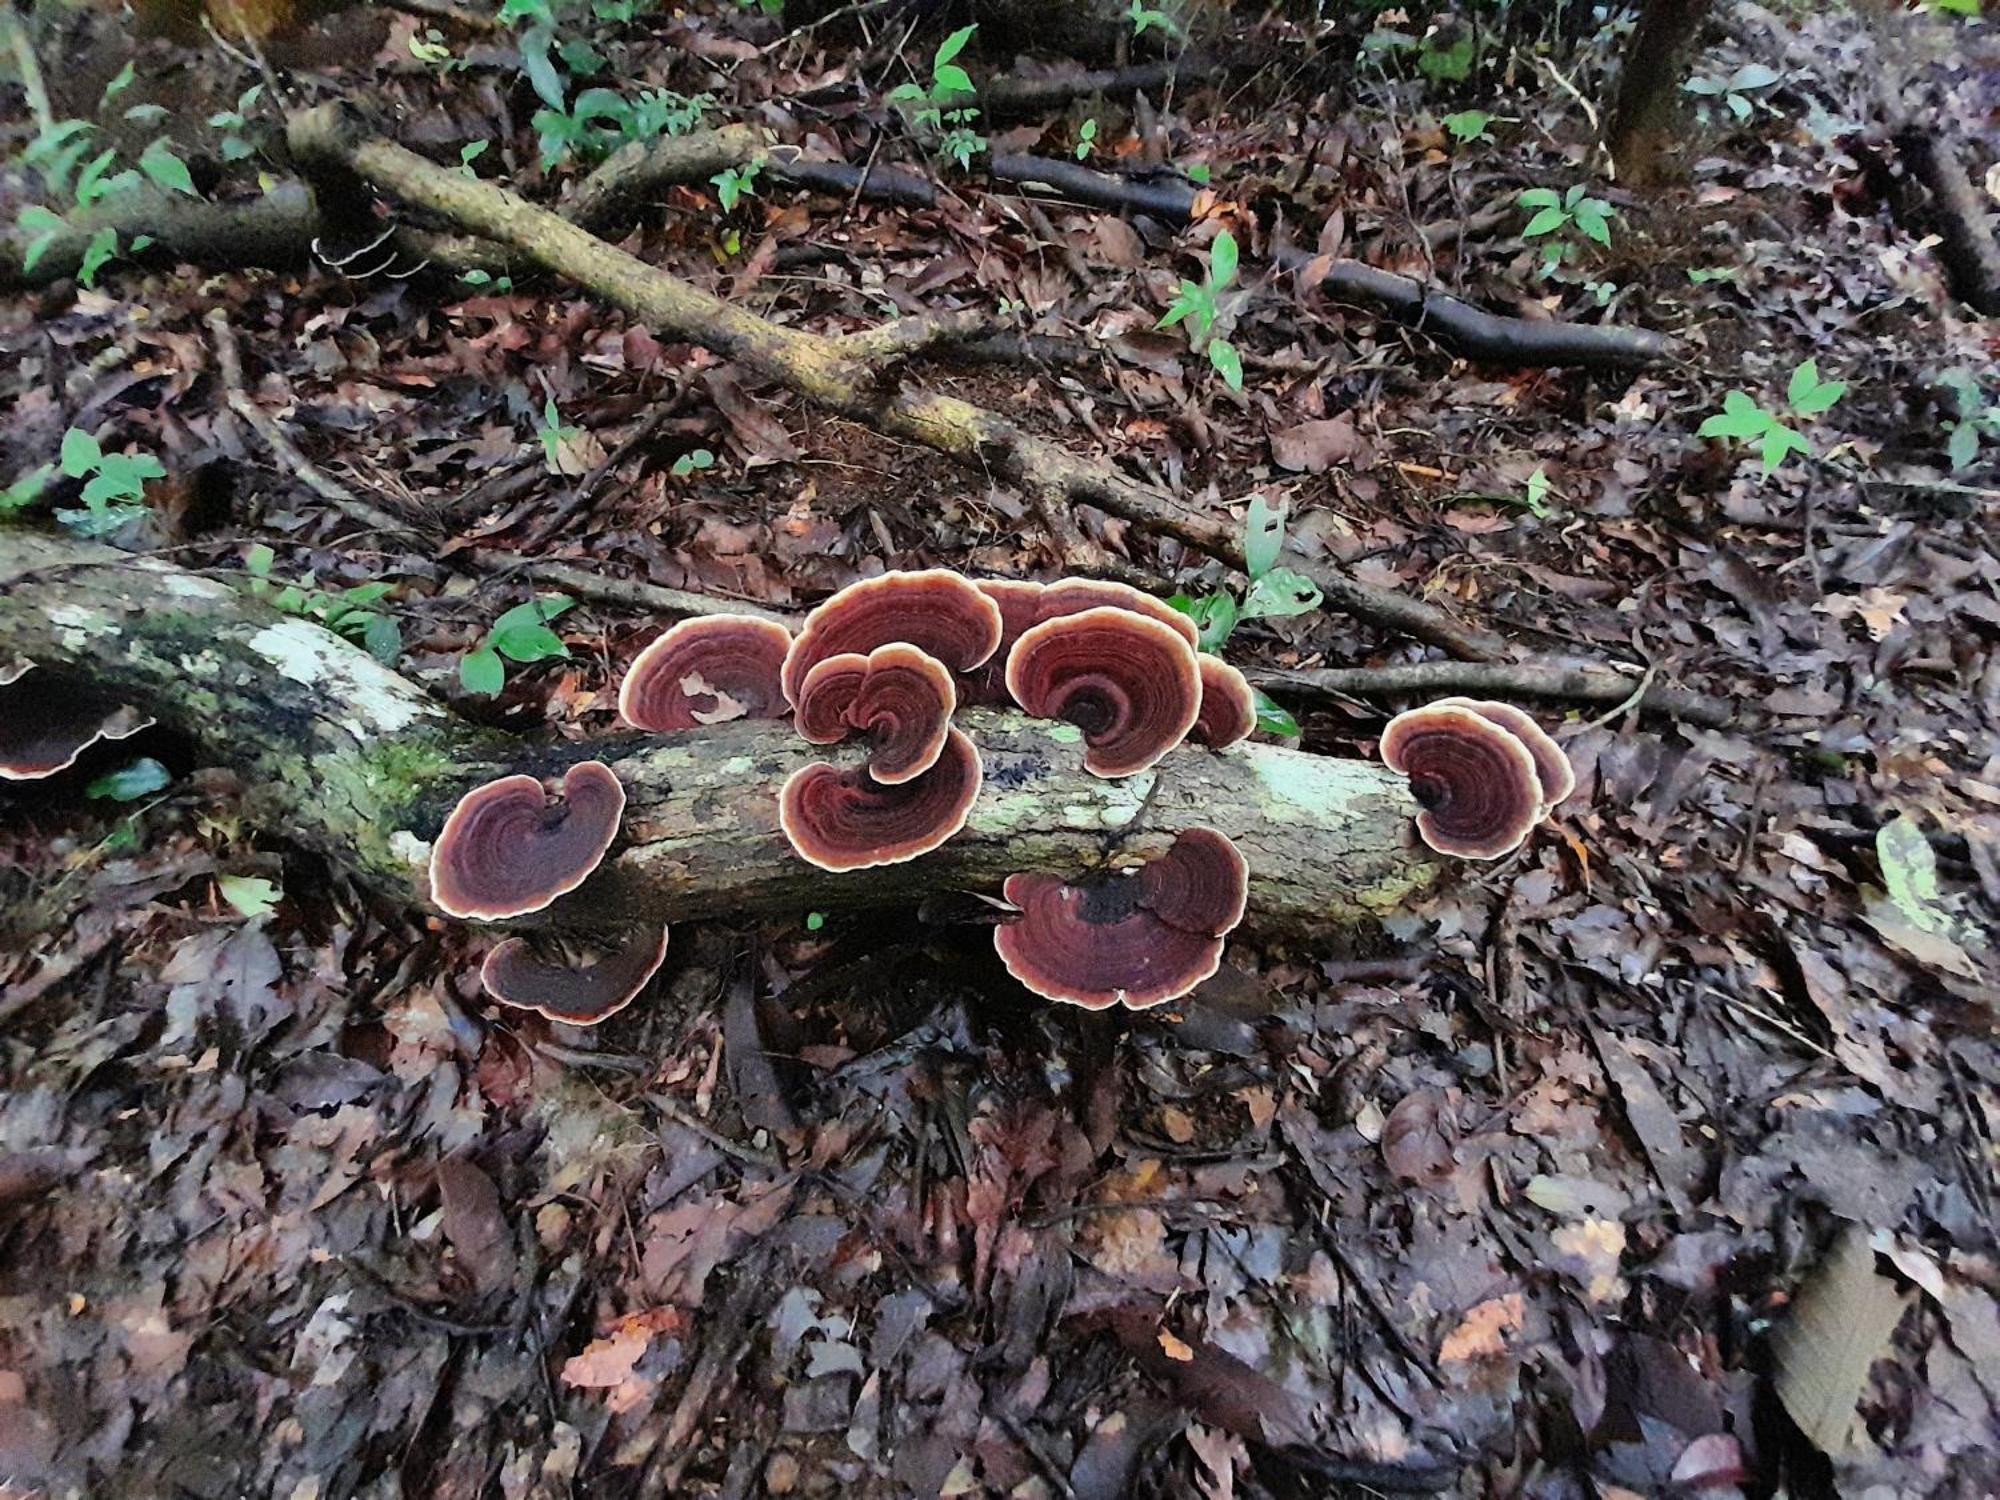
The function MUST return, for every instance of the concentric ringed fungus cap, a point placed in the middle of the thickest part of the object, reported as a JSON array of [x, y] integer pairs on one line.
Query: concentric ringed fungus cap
[[933, 609], [1136, 939], [897, 696], [707, 670], [576, 994], [45, 726], [507, 849], [1228, 708], [1476, 780], [847, 820], [1130, 683], [1552, 767], [1020, 605], [1072, 596]]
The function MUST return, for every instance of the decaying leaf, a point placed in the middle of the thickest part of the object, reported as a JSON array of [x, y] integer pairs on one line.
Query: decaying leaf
[[1839, 1326]]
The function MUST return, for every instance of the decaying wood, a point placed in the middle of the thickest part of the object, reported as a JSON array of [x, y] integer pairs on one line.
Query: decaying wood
[[829, 371], [1966, 245], [1553, 681], [340, 755]]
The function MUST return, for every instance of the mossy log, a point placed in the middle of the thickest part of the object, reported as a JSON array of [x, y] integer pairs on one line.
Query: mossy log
[[341, 755]]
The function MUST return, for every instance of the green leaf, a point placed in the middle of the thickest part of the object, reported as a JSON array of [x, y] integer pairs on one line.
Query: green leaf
[[1548, 221], [129, 783], [102, 247], [540, 67], [815, 920], [1808, 394], [1593, 218], [119, 84], [258, 560], [250, 896], [1228, 363], [1273, 719], [26, 490], [1468, 125], [1805, 380], [1199, 172], [954, 44], [1909, 873], [80, 453], [1540, 198], [528, 643], [950, 81], [1740, 417], [1215, 619], [1280, 593], [1222, 259], [1779, 441], [482, 672], [1263, 536], [1963, 448], [167, 170]]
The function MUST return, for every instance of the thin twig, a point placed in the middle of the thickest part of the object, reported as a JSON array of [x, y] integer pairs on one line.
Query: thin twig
[[229, 363], [1555, 681]]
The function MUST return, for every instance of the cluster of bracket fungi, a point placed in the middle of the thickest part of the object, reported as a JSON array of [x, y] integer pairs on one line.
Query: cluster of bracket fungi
[[888, 662]]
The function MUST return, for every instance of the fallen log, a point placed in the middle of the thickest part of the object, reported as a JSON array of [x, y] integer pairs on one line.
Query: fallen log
[[340, 755], [1966, 248], [857, 377]]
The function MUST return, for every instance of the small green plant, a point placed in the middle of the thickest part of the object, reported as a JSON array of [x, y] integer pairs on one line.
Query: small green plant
[[1197, 304], [1703, 275], [1535, 499], [1469, 125], [1199, 173], [932, 109], [1739, 91], [469, 153], [478, 277], [62, 156], [1741, 417], [520, 635], [557, 437], [1086, 140], [1145, 18], [734, 184], [130, 782], [694, 460], [1974, 415], [237, 142], [26, 489], [1274, 593], [114, 484], [351, 612], [434, 51], [1560, 217]]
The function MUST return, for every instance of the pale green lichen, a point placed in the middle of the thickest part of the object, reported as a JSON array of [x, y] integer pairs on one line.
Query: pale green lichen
[[381, 702]]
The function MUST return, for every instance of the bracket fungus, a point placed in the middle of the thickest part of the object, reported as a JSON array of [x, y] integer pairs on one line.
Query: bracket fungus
[[707, 670], [578, 994], [1476, 779], [939, 612], [507, 849], [1552, 767], [1072, 596], [1137, 938], [847, 820], [1129, 682], [1228, 707], [899, 698], [1020, 604], [46, 725]]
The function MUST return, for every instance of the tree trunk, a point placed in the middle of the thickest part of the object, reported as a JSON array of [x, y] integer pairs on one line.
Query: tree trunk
[[343, 756], [1645, 118]]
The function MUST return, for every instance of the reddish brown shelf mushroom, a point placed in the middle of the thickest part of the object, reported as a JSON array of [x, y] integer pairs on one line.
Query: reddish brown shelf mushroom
[[1552, 767], [707, 670], [507, 849], [45, 725], [1137, 938], [1476, 780], [847, 820], [1020, 605], [933, 609], [1073, 596], [1131, 684], [1228, 707], [899, 698], [577, 994]]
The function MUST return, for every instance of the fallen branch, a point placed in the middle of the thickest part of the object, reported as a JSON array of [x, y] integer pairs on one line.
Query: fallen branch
[[1014, 98], [341, 755], [629, 593], [825, 370], [1475, 333], [1966, 247], [613, 193], [1171, 198], [229, 362], [1565, 684], [275, 230]]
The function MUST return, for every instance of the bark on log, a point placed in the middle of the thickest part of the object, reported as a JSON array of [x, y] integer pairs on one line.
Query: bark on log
[[341, 755], [832, 372], [1647, 110]]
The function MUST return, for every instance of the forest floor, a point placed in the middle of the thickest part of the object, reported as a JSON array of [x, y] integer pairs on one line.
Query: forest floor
[[1658, 1157]]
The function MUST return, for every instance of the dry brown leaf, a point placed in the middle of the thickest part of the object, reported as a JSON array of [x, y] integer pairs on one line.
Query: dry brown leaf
[[1839, 1326], [1483, 1334]]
